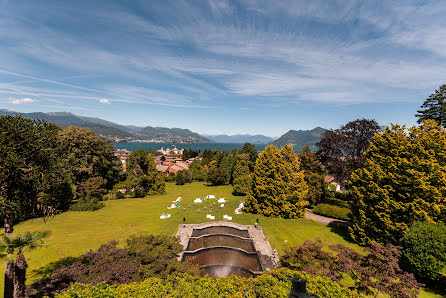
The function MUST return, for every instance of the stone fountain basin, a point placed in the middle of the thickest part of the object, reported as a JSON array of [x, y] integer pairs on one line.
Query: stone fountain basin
[[212, 230], [223, 256], [206, 241]]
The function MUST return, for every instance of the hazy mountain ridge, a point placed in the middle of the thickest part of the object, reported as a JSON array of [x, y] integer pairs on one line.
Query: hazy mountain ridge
[[300, 137], [114, 130], [241, 138]]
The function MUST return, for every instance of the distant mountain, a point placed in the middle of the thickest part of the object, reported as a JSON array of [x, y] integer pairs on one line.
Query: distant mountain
[[300, 137], [114, 130], [172, 134], [240, 138]]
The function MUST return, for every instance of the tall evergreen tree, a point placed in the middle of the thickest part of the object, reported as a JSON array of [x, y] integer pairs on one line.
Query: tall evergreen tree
[[242, 175], [434, 107], [253, 155], [403, 181], [314, 175], [278, 188]]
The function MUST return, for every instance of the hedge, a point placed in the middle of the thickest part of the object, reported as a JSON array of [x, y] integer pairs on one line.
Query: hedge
[[272, 284], [332, 211]]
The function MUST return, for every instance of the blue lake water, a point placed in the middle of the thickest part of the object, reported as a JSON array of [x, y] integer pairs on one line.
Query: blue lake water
[[131, 146]]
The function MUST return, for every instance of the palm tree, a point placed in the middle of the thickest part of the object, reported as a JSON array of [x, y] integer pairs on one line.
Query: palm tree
[[12, 247]]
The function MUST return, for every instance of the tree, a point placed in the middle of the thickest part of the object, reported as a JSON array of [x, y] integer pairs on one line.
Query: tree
[[434, 107], [179, 178], [88, 156], [242, 175], [278, 188], [341, 151], [314, 175], [403, 181], [253, 154], [214, 175], [13, 246], [227, 167], [424, 253], [142, 176], [28, 165]]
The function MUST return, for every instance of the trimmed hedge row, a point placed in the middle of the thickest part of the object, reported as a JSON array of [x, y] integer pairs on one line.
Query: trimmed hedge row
[[332, 211], [272, 284]]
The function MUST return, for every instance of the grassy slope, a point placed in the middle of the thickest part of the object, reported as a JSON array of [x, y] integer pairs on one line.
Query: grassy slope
[[74, 233]]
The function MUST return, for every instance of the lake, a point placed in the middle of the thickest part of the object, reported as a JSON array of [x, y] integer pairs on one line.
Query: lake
[[131, 146]]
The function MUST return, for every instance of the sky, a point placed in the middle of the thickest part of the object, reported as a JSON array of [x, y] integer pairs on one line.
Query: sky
[[217, 66]]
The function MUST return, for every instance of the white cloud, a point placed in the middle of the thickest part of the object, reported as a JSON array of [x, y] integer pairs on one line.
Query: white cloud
[[17, 101], [104, 100]]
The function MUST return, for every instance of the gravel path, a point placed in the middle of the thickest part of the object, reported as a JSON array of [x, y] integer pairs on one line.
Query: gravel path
[[323, 219]]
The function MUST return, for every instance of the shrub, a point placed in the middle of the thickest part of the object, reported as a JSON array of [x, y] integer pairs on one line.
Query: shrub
[[272, 284], [332, 211], [87, 203], [424, 253], [143, 257], [378, 271]]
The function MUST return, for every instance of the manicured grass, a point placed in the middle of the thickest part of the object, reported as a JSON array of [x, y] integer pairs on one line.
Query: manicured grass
[[74, 233]]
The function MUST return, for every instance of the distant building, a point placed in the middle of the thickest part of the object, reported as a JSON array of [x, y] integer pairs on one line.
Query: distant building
[[122, 154], [175, 152], [332, 181]]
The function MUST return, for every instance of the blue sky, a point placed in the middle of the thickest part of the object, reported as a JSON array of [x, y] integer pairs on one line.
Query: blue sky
[[221, 66]]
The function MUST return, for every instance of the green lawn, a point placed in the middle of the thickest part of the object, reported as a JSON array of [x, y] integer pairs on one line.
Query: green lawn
[[74, 233]]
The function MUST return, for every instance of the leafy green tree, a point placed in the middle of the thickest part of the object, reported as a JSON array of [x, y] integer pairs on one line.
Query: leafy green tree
[[279, 188], [31, 179], [214, 175], [88, 156], [242, 175], [12, 248], [403, 181], [142, 176], [196, 171], [179, 178], [434, 107], [424, 253], [314, 175], [253, 154]]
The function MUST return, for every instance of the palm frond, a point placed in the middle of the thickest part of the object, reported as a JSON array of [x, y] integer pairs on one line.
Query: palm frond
[[23, 242]]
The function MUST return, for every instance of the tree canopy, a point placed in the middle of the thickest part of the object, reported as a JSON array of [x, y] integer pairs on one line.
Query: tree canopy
[[403, 181], [29, 161], [341, 150], [242, 177], [87, 156], [142, 176], [278, 188], [434, 107]]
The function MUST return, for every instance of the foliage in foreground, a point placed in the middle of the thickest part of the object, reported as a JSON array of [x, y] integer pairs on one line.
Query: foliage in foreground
[[403, 181], [272, 284], [378, 271], [143, 257], [278, 187], [424, 253]]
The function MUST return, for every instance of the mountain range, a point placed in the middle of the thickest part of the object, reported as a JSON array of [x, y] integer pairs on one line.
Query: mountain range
[[116, 131], [241, 138], [300, 137], [170, 135]]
